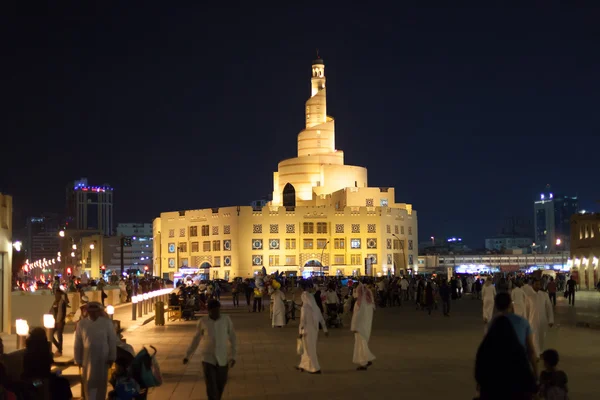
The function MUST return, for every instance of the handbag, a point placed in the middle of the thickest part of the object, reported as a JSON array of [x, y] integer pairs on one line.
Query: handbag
[[566, 294], [299, 347]]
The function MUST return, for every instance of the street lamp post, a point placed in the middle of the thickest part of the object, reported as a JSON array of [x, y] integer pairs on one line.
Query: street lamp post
[[322, 251]]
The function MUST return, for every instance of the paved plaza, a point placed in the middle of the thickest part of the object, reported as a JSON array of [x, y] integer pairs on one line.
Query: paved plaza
[[418, 356]]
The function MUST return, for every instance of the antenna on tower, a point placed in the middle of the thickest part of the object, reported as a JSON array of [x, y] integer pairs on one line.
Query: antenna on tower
[[318, 54]]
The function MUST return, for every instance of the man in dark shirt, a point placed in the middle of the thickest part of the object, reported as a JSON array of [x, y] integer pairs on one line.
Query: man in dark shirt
[[551, 288], [571, 285], [59, 311], [445, 296]]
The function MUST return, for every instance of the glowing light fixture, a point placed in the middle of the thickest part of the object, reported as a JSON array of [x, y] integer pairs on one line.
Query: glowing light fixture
[[22, 327], [61, 233], [49, 322], [18, 245]]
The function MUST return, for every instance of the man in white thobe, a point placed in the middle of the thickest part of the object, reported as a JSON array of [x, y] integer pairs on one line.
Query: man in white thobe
[[310, 318], [529, 300], [278, 302], [489, 294], [95, 351], [519, 300], [541, 316], [362, 320]]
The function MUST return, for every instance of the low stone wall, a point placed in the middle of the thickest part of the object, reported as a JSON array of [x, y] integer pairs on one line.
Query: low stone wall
[[32, 306]]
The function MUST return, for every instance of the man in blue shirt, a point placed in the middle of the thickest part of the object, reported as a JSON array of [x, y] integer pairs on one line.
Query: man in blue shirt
[[504, 306]]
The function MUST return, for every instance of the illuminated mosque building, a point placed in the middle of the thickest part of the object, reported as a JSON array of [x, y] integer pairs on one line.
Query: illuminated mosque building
[[324, 218]]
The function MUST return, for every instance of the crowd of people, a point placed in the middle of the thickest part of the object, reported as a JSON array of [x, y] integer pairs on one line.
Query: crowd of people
[[517, 312]]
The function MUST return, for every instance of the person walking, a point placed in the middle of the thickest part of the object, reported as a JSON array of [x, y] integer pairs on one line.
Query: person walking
[[571, 287], [278, 302], [257, 306], [100, 286], [445, 296], [478, 289], [541, 316], [519, 300], [551, 288], [59, 311], [310, 319], [56, 285], [489, 294], [235, 293], [248, 292], [505, 307], [429, 297], [212, 334], [500, 353], [362, 321], [95, 350], [404, 287]]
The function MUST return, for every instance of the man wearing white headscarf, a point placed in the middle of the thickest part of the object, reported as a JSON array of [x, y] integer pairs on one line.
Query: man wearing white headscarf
[[310, 318], [540, 316], [95, 351], [488, 294], [519, 300], [362, 320]]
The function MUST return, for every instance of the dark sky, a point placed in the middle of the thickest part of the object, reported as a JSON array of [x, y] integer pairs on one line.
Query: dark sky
[[467, 112]]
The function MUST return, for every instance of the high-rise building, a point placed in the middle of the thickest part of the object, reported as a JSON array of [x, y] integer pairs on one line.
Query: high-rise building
[[552, 215], [137, 252], [90, 207], [323, 218], [42, 240]]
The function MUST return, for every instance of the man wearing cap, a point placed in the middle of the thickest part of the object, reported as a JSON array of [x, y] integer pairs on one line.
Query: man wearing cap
[[95, 350], [212, 334]]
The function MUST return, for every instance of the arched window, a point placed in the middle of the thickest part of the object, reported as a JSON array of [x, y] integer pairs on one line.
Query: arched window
[[289, 195]]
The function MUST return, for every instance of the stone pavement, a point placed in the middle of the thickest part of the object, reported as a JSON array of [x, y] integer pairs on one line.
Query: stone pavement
[[586, 311], [418, 357]]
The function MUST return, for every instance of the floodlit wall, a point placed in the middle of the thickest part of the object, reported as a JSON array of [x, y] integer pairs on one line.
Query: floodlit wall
[[6, 249]]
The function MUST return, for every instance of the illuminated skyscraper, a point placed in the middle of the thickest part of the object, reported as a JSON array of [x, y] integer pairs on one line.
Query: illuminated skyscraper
[[90, 207], [552, 215]]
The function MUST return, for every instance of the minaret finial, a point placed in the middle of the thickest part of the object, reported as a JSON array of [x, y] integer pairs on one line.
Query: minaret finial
[[318, 54]]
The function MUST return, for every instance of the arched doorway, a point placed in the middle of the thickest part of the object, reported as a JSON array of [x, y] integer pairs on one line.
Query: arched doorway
[[312, 267], [289, 195], [205, 270]]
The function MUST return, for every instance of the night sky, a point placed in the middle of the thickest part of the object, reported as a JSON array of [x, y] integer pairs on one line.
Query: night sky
[[467, 112]]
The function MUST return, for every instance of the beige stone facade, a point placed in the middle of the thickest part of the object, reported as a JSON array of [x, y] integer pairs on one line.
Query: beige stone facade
[[323, 218], [6, 249], [585, 249]]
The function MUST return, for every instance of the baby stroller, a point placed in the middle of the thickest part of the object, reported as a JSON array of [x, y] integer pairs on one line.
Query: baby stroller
[[334, 320]]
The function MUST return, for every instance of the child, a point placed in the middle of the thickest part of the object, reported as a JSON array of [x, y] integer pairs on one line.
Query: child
[[553, 382], [125, 387]]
